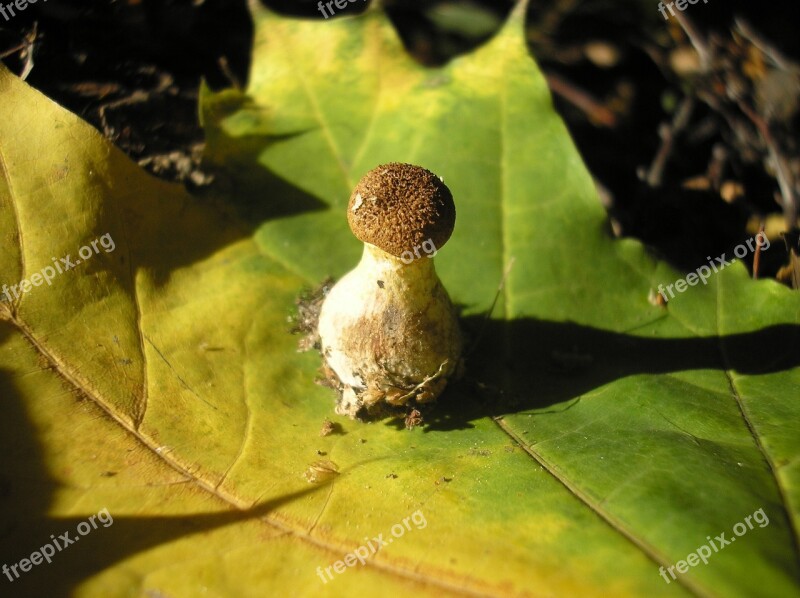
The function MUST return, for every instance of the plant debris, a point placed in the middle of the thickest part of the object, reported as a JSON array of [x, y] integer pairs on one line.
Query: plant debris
[[321, 471]]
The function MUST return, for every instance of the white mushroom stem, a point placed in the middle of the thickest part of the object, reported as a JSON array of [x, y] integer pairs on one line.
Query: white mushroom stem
[[389, 331]]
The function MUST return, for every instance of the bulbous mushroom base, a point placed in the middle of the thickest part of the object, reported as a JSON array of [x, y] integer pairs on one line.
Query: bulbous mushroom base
[[389, 336]]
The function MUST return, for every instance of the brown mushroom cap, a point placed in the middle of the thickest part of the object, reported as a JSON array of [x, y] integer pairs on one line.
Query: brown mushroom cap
[[399, 206]]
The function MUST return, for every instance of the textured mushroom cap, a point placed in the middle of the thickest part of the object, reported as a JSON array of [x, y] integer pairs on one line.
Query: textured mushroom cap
[[399, 206]]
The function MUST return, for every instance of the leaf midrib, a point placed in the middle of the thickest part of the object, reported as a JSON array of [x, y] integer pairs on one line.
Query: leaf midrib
[[336, 549], [793, 529]]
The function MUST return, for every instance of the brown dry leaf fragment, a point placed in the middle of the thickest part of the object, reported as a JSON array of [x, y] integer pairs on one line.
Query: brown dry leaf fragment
[[321, 471], [413, 419], [329, 427]]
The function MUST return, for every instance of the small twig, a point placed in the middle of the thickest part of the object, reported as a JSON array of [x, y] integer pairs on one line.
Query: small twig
[[25, 48], [668, 135], [792, 240], [770, 51], [716, 166], [757, 256], [790, 200], [225, 67], [28, 52], [582, 100], [696, 39], [401, 400], [137, 97], [16, 48]]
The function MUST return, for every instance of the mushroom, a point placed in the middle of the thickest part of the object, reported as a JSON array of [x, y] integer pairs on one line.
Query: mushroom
[[388, 332]]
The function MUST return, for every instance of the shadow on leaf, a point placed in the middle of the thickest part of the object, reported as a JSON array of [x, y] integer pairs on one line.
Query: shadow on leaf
[[530, 364], [27, 490]]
